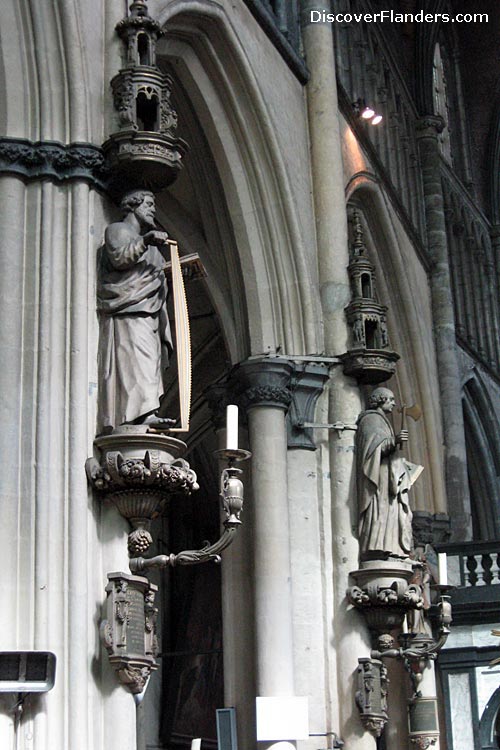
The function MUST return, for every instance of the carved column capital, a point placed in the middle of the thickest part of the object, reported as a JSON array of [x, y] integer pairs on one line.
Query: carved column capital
[[273, 382], [429, 126], [263, 382], [53, 160], [429, 528]]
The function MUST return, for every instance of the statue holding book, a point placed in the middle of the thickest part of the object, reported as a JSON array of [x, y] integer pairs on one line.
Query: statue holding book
[[384, 479]]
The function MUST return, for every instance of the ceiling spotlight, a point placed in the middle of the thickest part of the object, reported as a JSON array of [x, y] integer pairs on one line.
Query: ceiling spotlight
[[363, 110], [367, 113]]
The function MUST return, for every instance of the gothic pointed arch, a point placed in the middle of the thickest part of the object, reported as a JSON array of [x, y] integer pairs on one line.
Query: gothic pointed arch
[[409, 321], [439, 85], [489, 726], [483, 457], [427, 35], [494, 161], [225, 101]]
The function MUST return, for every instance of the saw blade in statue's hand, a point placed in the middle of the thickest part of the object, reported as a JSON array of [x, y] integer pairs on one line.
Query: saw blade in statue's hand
[[183, 339]]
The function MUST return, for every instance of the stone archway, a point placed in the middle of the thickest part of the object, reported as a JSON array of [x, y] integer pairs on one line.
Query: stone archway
[[489, 728], [403, 287]]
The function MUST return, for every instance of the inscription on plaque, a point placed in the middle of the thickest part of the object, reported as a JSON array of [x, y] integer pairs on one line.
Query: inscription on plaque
[[129, 630], [136, 622], [423, 715]]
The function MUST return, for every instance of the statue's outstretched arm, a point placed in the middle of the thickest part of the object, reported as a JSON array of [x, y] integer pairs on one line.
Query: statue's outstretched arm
[[123, 248]]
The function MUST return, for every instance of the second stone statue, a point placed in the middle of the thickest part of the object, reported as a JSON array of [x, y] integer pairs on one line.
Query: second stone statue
[[384, 479]]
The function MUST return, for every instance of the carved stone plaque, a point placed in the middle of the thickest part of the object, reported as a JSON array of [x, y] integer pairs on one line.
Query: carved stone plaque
[[423, 722], [371, 695], [422, 713], [129, 630]]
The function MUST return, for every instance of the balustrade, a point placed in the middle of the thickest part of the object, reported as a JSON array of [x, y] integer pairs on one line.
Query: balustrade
[[473, 564]]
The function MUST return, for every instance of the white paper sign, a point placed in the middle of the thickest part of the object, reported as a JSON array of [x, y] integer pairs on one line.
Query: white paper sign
[[283, 718]]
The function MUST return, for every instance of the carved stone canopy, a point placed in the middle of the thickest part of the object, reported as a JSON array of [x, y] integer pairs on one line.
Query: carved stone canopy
[[369, 360], [145, 151]]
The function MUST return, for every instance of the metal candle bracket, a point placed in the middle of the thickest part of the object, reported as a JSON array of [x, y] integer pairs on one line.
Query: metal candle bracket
[[231, 494], [416, 648]]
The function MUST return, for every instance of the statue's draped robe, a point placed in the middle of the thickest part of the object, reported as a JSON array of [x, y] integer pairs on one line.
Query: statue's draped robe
[[384, 480], [134, 331]]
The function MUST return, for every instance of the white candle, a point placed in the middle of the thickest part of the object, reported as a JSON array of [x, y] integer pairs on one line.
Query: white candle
[[442, 569], [196, 744], [405, 624], [232, 427]]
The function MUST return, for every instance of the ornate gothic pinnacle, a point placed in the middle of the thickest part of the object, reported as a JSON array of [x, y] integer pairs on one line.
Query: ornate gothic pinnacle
[[359, 240], [139, 8]]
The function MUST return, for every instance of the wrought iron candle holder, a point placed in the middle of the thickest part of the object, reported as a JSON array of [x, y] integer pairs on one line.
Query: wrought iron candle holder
[[231, 494]]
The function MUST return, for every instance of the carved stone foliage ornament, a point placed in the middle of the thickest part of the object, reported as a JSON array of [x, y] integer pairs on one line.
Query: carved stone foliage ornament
[[370, 360], [423, 722], [384, 593], [129, 630], [139, 472], [422, 743], [53, 160]]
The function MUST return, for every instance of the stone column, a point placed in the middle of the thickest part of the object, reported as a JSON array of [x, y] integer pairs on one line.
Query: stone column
[[311, 545], [495, 243], [428, 129], [267, 398], [349, 635], [53, 585], [263, 385]]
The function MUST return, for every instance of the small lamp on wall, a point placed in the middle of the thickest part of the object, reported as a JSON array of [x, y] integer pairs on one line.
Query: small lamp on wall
[[366, 112]]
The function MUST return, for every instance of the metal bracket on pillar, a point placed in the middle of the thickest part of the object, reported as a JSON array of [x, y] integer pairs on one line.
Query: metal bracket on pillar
[[335, 741], [337, 426]]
